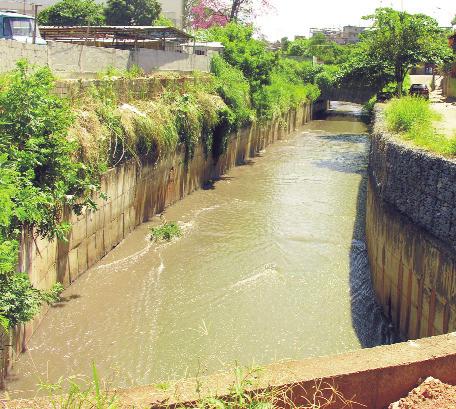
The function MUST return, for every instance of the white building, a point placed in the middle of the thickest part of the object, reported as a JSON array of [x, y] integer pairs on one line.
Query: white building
[[174, 10]]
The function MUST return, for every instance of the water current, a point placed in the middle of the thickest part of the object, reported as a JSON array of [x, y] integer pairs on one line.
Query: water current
[[271, 266]]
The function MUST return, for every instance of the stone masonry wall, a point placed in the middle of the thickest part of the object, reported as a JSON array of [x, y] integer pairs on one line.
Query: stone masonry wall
[[135, 194], [411, 232]]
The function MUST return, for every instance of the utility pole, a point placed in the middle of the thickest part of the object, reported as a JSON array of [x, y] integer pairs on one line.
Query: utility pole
[[35, 15]]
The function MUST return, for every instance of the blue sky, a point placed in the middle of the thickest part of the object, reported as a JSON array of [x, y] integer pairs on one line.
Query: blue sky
[[296, 17]]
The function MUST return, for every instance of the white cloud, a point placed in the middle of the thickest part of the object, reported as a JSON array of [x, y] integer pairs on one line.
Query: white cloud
[[296, 17]]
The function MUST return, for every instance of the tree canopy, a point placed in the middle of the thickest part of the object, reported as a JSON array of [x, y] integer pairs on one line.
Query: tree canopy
[[396, 42], [132, 12], [203, 14], [245, 52], [319, 46], [72, 13]]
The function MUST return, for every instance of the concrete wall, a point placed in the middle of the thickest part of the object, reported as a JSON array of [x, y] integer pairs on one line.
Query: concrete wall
[[355, 95], [174, 10], [135, 194], [449, 86], [79, 61], [371, 378], [12, 51], [70, 60], [151, 60], [125, 89], [411, 232]]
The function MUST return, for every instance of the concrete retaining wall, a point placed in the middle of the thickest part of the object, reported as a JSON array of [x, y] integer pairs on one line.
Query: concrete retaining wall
[[449, 86], [355, 95], [79, 61], [135, 194], [125, 89], [411, 232], [152, 60]]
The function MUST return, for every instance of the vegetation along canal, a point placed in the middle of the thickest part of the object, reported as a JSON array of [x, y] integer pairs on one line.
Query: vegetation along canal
[[271, 265]]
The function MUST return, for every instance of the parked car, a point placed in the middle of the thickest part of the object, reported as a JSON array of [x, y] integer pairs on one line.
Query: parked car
[[419, 90], [19, 27], [384, 96]]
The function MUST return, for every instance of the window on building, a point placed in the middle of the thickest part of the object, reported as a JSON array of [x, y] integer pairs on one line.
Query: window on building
[[17, 26]]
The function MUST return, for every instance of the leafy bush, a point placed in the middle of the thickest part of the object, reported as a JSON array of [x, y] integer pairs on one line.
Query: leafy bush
[[281, 95], [33, 129], [165, 232], [234, 89], [72, 13], [412, 119], [20, 301], [39, 176]]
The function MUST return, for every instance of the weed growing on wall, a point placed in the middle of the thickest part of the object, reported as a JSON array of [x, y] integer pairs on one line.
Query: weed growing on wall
[[165, 232], [247, 391]]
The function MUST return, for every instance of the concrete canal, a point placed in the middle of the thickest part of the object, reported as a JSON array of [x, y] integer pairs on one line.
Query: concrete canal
[[271, 266]]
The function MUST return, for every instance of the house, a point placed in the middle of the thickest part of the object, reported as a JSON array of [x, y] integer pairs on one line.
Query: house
[[346, 35]]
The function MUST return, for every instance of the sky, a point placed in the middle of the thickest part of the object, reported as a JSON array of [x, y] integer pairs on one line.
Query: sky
[[296, 17]]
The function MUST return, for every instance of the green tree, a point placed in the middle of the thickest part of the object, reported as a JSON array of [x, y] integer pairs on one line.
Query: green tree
[[319, 46], [72, 13], [245, 52], [163, 21], [399, 40], [132, 12], [454, 20]]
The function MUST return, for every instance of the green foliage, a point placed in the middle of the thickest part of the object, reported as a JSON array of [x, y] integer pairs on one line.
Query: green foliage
[[397, 41], [188, 123], [368, 107], [412, 119], [132, 12], [162, 21], [33, 129], [20, 301], [276, 85], [234, 89], [165, 232], [39, 176], [326, 51], [281, 95], [244, 52], [72, 13]]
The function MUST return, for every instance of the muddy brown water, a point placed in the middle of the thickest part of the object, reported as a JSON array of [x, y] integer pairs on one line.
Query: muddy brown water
[[260, 274]]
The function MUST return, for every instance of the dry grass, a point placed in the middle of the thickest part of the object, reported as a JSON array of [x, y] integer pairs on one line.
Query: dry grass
[[109, 133]]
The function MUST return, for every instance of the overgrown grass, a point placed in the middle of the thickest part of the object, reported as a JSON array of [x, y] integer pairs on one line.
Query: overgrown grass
[[165, 232], [247, 391], [412, 119]]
